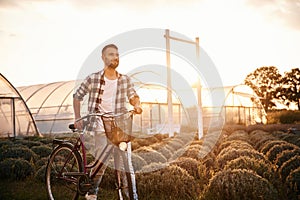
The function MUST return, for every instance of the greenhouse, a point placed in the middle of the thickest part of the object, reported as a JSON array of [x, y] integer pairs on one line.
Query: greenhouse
[[234, 104], [15, 117], [51, 107]]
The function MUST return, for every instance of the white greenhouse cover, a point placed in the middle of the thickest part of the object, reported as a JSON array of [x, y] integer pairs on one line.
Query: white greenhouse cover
[[15, 117]]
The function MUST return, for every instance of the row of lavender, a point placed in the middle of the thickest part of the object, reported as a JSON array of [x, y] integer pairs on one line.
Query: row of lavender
[[232, 165], [236, 165]]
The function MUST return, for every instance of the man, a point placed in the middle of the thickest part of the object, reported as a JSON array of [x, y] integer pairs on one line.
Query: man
[[108, 91]]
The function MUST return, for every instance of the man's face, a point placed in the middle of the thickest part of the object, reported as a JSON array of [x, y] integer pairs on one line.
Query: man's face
[[110, 57]]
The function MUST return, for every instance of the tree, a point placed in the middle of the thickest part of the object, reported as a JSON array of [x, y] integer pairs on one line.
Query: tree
[[290, 87], [265, 81]]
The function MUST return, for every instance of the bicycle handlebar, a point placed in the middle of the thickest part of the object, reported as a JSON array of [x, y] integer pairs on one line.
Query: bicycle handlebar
[[108, 114]]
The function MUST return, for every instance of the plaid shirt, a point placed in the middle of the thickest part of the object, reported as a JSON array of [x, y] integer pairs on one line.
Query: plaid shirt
[[92, 85]]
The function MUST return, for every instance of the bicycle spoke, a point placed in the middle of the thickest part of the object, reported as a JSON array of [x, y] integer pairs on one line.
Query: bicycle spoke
[[60, 185]]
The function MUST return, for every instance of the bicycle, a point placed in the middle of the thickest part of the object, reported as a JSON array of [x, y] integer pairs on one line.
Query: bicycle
[[68, 173]]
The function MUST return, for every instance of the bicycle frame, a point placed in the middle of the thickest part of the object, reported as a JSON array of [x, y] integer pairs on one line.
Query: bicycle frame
[[78, 174], [79, 146]]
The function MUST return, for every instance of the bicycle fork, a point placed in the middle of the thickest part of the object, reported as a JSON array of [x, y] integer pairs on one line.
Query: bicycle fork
[[127, 168]]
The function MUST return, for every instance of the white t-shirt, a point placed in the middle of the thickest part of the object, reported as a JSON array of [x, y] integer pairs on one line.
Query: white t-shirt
[[108, 99]]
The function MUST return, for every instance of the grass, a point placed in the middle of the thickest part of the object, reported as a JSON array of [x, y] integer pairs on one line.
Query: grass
[[20, 190], [32, 189]]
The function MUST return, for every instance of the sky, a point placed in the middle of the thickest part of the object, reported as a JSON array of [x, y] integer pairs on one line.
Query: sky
[[44, 41]]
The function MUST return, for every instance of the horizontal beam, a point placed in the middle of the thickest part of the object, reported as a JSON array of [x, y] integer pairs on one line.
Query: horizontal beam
[[179, 39]]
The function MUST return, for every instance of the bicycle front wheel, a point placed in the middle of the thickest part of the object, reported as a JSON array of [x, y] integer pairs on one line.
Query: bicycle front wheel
[[126, 176], [61, 185]]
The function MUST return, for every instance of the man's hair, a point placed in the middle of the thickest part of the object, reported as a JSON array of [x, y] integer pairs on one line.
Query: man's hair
[[109, 46]]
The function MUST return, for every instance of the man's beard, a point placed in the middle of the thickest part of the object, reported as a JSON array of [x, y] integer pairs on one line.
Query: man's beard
[[114, 64]]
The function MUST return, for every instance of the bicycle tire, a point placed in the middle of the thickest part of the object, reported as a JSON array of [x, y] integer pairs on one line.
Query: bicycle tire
[[58, 187], [127, 191]]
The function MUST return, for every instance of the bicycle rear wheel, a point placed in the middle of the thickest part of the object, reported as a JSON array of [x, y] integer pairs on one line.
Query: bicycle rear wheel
[[63, 160]]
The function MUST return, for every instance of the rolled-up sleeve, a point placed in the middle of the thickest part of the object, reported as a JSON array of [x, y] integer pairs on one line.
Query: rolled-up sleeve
[[83, 89], [130, 89]]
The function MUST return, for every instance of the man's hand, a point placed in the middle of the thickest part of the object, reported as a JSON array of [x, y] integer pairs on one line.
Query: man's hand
[[138, 110], [135, 101], [76, 106], [78, 125]]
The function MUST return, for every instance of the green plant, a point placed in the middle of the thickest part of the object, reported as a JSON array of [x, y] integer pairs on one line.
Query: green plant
[[152, 167], [206, 150], [40, 174], [195, 146], [46, 140], [230, 128], [285, 156], [233, 144], [268, 145], [28, 143], [273, 116], [170, 148], [146, 141], [177, 154], [42, 151], [175, 143], [195, 168], [192, 152], [277, 149], [210, 161], [150, 155], [293, 183], [239, 184], [289, 117], [260, 143], [196, 142], [108, 179], [40, 162], [262, 167], [211, 140], [239, 135], [137, 161], [189, 164], [160, 136], [288, 167], [186, 137], [171, 182], [17, 152], [205, 173], [17, 169], [5, 143], [162, 149], [297, 142], [259, 138], [279, 133], [291, 138], [135, 145], [232, 154]]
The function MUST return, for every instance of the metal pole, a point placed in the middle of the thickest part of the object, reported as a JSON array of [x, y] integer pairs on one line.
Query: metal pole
[[170, 109], [200, 111], [169, 86], [14, 117]]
